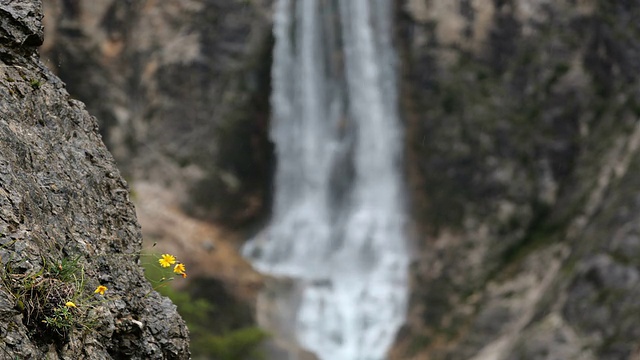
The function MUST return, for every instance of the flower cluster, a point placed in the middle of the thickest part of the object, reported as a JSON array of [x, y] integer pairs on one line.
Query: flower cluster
[[167, 260]]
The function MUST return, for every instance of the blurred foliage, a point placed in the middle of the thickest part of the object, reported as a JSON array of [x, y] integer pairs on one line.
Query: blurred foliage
[[199, 314], [236, 345]]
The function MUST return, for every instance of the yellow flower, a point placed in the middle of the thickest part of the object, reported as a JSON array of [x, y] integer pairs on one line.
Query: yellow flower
[[69, 304], [179, 269], [167, 260], [100, 290]]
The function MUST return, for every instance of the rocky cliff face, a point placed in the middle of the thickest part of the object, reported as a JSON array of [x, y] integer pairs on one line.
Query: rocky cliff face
[[66, 223], [523, 147]]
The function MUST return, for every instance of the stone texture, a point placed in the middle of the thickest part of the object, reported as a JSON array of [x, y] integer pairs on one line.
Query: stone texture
[[61, 197], [21, 23]]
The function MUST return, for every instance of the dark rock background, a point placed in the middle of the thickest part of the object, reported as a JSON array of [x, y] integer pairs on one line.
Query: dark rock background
[[62, 199], [522, 148], [181, 89], [521, 151]]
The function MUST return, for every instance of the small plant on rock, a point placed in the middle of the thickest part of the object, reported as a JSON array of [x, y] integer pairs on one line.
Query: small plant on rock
[[53, 300], [168, 267]]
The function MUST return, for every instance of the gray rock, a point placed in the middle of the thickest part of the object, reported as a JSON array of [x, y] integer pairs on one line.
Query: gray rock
[[62, 199], [21, 23]]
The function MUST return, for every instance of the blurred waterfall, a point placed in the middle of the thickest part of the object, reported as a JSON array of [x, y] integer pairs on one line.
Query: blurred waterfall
[[338, 220]]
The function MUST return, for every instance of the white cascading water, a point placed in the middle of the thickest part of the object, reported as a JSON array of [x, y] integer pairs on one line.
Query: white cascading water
[[337, 227]]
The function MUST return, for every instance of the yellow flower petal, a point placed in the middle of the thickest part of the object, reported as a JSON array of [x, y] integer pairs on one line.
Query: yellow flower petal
[[69, 304], [179, 268], [167, 260], [100, 290]]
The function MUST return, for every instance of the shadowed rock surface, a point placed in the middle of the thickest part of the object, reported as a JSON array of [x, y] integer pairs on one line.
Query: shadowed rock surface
[[63, 201]]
